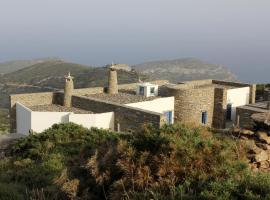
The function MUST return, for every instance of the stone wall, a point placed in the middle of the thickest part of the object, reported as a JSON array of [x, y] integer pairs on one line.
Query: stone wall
[[190, 103], [31, 99], [128, 118], [229, 83], [245, 117], [220, 106]]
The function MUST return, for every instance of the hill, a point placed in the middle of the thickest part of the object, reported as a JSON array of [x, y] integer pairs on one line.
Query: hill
[[183, 70], [12, 66], [174, 162], [49, 76]]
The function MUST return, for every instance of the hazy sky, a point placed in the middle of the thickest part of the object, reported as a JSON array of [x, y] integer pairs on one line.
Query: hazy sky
[[234, 33]]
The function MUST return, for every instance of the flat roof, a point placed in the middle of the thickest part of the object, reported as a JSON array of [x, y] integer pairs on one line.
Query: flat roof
[[190, 85], [121, 97], [58, 108], [258, 107]]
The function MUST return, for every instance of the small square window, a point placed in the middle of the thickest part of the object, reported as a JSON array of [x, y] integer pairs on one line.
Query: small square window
[[152, 90]]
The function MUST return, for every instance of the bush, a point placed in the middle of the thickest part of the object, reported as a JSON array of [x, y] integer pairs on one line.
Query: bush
[[177, 161]]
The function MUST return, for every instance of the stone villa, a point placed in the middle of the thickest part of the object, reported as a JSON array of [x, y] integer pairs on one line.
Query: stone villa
[[128, 107]]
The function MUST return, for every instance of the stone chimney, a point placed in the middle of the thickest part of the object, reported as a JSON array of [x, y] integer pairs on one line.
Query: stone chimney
[[69, 86], [113, 85]]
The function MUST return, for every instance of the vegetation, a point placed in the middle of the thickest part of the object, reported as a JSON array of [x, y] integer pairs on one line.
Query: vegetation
[[68, 161], [12, 66], [260, 90], [4, 121]]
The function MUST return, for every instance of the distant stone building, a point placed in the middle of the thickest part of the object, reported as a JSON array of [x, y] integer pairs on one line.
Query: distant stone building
[[128, 107]]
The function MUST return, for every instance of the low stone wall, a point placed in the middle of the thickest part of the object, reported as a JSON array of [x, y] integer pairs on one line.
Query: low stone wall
[[129, 119], [245, 117]]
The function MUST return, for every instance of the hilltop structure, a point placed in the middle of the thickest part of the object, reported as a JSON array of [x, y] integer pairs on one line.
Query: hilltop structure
[[128, 107]]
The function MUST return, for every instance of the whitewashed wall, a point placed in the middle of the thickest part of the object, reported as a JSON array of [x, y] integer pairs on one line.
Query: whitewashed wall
[[44, 120], [23, 115], [40, 121], [159, 105], [102, 120], [237, 97]]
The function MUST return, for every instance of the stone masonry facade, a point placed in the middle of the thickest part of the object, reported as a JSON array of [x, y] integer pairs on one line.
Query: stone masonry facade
[[191, 99], [135, 118]]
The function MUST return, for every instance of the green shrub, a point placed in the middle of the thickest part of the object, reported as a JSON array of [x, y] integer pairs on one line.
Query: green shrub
[[177, 161], [9, 191]]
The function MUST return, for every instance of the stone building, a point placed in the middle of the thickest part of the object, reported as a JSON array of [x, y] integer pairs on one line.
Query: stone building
[[209, 102], [128, 107]]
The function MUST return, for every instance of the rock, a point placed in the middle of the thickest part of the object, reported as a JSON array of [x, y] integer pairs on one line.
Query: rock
[[246, 132], [262, 156], [254, 167], [243, 137], [263, 137], [262, 146], [251, 147], [264, 164]]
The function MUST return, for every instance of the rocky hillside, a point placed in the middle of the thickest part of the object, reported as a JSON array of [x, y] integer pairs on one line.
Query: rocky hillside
[[49, 76], [184, 69], [12, 66]]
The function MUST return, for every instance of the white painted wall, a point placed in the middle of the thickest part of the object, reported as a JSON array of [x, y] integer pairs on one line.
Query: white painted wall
[[23, 118], [147, 89], [159, 105], [103, 120], [44, 120], [40, 121], [237, 97]]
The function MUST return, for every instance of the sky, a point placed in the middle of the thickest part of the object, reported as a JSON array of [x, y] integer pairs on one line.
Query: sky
[[233, 33]]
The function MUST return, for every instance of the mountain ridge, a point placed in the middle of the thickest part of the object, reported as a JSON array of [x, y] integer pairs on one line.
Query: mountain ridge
[[49, 75], [184, 69]]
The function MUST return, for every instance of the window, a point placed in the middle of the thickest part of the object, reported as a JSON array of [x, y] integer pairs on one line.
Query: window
[[169, 117], [141, 90], [204, 117], [229, 111], [152, 90]]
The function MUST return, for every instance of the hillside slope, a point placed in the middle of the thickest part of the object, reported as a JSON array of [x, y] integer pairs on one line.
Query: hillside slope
[[49, 76], [12, 66], [183, 70]]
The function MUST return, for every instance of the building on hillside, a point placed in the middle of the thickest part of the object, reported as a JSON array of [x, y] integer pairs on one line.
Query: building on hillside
[[210, 102], [128, 107]]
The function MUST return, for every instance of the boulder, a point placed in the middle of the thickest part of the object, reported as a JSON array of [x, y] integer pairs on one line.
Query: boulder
[[251, 147], [264, 164], [262, 146], [263, 136], [262, 156], [246, 132]]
